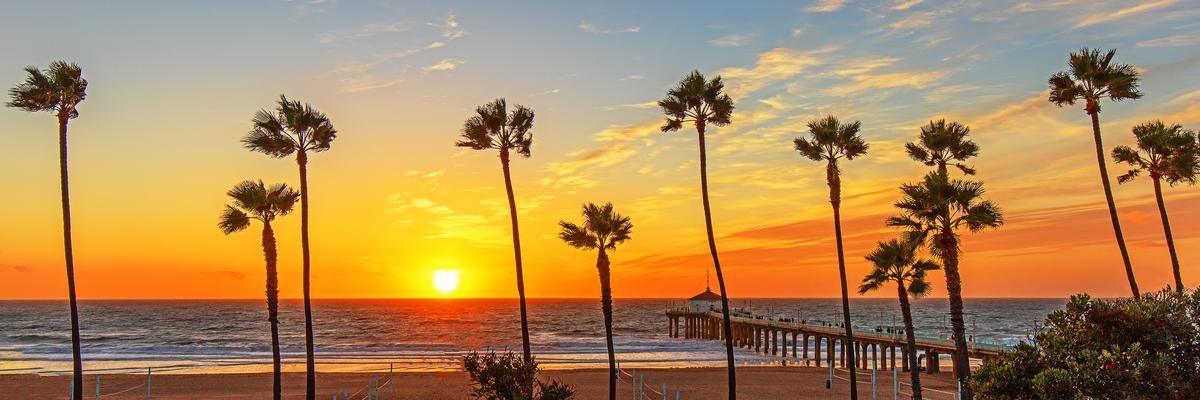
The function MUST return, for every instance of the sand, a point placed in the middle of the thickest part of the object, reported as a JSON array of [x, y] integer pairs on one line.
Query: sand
[[692, 383]]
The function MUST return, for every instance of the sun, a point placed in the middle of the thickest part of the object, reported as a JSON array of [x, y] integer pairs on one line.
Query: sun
[[446, 281]]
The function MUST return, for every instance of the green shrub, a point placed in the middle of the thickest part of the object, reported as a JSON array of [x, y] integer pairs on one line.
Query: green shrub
[[507, 376], [1147, 348]]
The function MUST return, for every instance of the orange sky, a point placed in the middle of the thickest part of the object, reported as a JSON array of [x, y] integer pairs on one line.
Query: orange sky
[[156, 147]]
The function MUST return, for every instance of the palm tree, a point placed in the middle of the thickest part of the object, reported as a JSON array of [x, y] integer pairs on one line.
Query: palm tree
[[295, 128], [829, 141], [703, 103], [602, 230], [254, 200], [1092, 77], [896, 261], [944, 143], [493, 127], [1166, 152], [932, 212], [59, 89]]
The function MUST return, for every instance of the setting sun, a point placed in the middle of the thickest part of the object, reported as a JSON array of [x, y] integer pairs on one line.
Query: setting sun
[[446, 281]]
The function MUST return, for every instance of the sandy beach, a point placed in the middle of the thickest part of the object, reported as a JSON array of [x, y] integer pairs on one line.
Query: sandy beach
[[692, 383]]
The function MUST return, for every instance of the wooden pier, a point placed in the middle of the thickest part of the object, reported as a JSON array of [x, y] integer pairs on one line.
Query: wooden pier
[[771, 337]]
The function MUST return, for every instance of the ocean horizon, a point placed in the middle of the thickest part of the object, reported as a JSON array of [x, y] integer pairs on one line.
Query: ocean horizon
[[356, 335]]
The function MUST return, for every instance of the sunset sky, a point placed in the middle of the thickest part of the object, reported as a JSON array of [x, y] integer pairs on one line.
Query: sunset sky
[[173, 87]]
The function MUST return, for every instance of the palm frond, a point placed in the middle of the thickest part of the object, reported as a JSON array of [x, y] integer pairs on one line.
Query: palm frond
[[576, 236], [232, 220]]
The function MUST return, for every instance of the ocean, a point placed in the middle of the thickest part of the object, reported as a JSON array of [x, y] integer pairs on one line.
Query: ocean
[[227, 336]]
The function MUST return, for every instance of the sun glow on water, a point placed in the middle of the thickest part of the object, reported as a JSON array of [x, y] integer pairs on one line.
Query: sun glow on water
[[446, 281]]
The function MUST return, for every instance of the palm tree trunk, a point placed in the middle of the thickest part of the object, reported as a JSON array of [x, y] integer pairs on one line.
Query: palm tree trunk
[[1112, 205], [76, 357], [1162, 212], [271, 256], [712, 248], [310, 388], [911, 339], [516, 234], [606, 306], [962, 366], [835, 198]]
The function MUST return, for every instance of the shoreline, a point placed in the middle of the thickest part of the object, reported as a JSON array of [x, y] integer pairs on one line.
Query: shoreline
[[691, 383]]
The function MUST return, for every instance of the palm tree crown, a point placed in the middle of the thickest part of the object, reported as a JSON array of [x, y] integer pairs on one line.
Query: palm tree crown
[[254, 200], [896, 261], [59, 89], [698, 101], [831, 140], [293, 126], [493, 127], [1092, 76], [940, 204], [944, 143], [1166, 152], [602, 228]]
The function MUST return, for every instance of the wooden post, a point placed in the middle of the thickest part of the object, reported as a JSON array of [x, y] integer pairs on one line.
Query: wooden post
[[774, 342], [806, 349], [795, 340]]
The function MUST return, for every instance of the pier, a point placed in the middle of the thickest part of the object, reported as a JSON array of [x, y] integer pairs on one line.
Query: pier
[[771, 336]]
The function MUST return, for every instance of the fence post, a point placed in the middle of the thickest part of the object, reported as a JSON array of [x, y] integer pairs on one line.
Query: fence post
[[148, 383], [676, 395], [633, 385], [829, 382], [97, 387], [72, 385], [895, 383], [874, 367], [959, 395], [391, 380]]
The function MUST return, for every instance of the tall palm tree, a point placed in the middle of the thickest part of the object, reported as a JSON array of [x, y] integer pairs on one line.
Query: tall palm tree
[[944, 143], [932, 211], [295, 128], [602, 230], [255, 201], [494, 127], [702, 103], [830, 140], [896, 261], [1091, 77], [1163, 152], [59, 89]]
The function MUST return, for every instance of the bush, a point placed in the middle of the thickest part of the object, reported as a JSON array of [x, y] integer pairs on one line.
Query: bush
[[508, 377], [1147, 348]]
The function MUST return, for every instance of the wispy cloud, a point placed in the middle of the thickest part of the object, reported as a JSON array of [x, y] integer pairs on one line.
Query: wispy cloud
[[310, 7], [446, 64], [364, 31], [902, 5], [548, 92], [634, 77], [825, 6], [592, 28], [889, 80], [1185, 39], [731, 40], [1104, 16], [450, 28], [771, 66]]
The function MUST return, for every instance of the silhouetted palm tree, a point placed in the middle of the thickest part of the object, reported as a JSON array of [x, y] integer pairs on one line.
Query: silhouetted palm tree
[[295, 128], [493, 127], [255, 201], [1166, 152], [896, 261], [944, 143], [702, 103], [1094, 76], [59, 89], [932, 211], [829, 141], [603, 229]]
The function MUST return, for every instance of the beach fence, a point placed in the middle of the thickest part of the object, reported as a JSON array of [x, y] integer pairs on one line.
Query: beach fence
[[640, 390], [372, 390]]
